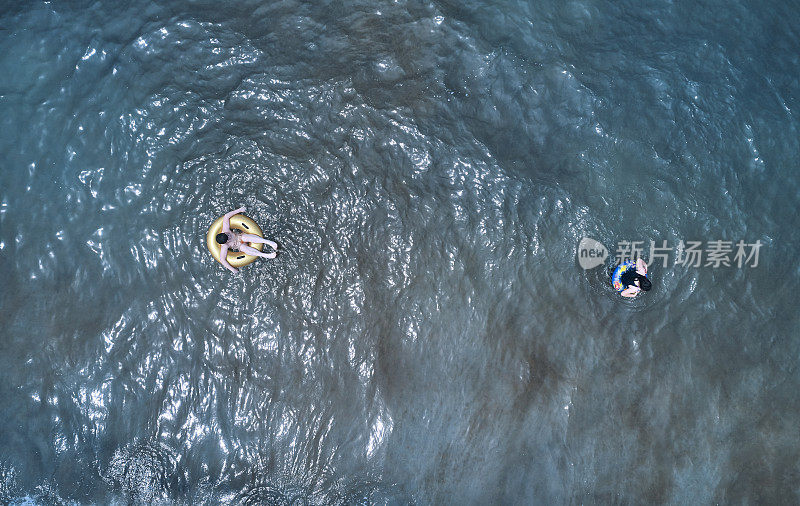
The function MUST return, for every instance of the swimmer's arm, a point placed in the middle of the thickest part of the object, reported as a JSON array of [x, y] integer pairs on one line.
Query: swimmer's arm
[[226, 220], [641, 267], [223, 259], [631, 291]]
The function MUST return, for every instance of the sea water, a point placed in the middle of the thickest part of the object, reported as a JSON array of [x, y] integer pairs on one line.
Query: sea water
[[426, 334]]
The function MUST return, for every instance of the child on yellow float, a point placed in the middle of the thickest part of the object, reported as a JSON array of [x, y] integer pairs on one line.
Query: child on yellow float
[[233, 239]]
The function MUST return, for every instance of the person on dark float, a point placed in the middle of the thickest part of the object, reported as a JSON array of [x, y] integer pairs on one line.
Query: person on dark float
[[630, 279], [236, 240]]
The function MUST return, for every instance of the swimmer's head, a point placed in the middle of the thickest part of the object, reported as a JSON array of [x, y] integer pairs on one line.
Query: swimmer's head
[[222, 238], [644, 283]]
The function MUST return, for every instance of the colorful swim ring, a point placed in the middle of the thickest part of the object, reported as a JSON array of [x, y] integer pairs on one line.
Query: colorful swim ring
[[238, 222], [616, 278]]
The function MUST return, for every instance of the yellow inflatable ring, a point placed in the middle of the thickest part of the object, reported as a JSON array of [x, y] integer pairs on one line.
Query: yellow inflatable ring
[[235, 258]]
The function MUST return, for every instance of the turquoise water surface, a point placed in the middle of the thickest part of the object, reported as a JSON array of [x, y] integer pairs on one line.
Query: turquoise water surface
[[426, 334]]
